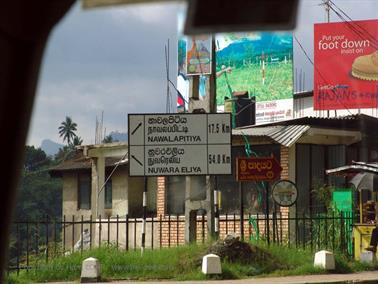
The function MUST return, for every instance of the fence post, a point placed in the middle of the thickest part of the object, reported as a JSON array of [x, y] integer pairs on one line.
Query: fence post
[[127, 232], [342, 235], [27, 246], [319, 232], [18, 248], [55, 238], [311, 232], [169, 231], [108, 230], [234, 223], [135, 234], [281, 233], [177, 230], [73, 233], [81, 235], [249, 227], [90, 230], [203, 227], [117, 230], [47, 238], [296, 227], [288, 229], [333, 230], [37, 238], [304, 230], [274, 225], [64, 234], [152, 232], [267, 212], [226, 224], [160, 231], [326, 231], [99, 231]]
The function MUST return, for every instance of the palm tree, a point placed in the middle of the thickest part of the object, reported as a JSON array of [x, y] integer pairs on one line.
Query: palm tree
[[67, 130], [77, 141]]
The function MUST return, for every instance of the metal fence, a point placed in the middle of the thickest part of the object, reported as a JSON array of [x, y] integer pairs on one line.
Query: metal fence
[[42, 240]]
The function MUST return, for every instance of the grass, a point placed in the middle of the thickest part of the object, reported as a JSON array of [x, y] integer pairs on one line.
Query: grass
[[278, 82], [181, 263]]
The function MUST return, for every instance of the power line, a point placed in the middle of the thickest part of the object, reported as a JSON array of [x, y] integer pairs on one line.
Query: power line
[[360, 31], [321, 75]]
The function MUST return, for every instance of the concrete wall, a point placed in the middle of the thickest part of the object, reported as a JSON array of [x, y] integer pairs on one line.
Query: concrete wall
[[120, 193], [127, 195], [71, 234], [108, 233], [70, 197]]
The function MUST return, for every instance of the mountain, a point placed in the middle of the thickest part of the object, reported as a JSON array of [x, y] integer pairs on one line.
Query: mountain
[[118, 136], [272, 44], [50, 147]]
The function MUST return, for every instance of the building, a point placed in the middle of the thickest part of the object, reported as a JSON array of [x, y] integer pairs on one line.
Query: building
[[305, 147]]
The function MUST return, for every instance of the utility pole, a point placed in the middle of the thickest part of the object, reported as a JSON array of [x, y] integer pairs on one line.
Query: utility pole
[[327, 10], [208, 104]]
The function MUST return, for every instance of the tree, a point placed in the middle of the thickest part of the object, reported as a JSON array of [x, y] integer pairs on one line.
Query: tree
[[76, 141], [67, 130], [108, 139], [35, 158]]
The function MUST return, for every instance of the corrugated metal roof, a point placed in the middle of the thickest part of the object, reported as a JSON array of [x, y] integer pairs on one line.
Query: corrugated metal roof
[[284, 135], [356, 167]]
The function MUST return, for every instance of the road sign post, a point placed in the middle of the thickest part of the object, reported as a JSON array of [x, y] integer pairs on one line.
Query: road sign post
[[179, 144], [265, 169]]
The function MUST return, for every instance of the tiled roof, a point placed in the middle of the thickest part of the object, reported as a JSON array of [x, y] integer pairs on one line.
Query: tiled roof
[[80, 162]]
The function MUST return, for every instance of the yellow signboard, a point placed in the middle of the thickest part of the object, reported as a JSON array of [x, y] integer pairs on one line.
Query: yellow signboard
[[361, 236]]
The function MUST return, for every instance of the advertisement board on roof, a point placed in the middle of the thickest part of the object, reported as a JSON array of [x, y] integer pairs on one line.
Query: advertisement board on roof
[[346, 65], [258, 62], [183, 45], [198, 55], [271, 111]]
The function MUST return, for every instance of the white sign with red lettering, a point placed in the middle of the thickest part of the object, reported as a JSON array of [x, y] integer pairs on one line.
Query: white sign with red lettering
[[272, 111]]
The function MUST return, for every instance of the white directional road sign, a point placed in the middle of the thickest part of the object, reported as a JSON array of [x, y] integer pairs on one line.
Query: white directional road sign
[[179, 144]]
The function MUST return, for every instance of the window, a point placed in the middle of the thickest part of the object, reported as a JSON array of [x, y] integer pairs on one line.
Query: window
[[311, 163], [108, 194], [175, 194], [84, 191]]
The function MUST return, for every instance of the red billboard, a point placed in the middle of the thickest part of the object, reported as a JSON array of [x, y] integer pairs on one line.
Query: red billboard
[[346, 65]]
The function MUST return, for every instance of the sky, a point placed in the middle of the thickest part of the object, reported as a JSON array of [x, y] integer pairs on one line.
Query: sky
[[112, 60]]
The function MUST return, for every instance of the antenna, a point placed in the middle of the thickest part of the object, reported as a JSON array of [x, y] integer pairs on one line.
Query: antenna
[[168, 96]]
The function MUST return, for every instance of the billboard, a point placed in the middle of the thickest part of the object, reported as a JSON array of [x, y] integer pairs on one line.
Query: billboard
[[193, 58], [198, 55], [346, 65], [258, 62]]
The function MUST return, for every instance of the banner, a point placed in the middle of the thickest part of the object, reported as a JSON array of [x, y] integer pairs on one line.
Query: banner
[[258, 62], [272, 111], [198, 55], [346, 65], [193, 57]]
